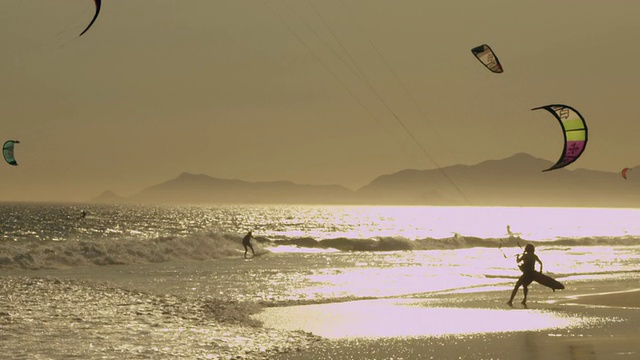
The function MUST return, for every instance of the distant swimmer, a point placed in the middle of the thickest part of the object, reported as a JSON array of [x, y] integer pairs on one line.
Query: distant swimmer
[[246, 242], [528, 259]]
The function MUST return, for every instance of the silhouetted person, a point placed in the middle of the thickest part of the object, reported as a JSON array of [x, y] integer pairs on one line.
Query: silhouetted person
[[528, 259], [83, 214], [246, 242]]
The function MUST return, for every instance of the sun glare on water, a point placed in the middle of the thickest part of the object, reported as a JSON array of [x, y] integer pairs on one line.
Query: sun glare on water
[[422, 222]]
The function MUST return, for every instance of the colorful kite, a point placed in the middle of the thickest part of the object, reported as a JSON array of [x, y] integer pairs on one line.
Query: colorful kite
[[95, 16], [7, 151], [624, 172], [487, 57], [574, 130]]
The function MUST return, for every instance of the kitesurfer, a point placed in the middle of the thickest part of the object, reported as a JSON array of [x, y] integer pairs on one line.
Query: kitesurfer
[[528, 259], [246, 242]]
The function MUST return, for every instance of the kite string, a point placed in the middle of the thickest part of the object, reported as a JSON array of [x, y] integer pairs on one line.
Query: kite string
[[397, 78], [317, 57], [413, 100], [502, 251], [360, 75]]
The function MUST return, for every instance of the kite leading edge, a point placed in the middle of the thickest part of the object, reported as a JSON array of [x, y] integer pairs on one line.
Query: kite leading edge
[[487, 57], [624, 172], [574, 130], [7, 152], [95, 16]]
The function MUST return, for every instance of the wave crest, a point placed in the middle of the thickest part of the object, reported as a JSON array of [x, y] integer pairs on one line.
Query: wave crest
[[38, 254], [452, 243]]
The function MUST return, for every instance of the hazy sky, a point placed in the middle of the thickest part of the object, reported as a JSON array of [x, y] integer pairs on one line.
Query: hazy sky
[[311, 91]]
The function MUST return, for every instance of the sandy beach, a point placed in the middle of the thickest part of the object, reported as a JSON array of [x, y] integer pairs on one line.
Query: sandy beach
[[623, 298], [576, 325], [47, 317]]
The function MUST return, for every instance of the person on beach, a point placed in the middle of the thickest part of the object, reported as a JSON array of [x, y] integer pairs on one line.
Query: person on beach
[[246, 242], [528, 261]]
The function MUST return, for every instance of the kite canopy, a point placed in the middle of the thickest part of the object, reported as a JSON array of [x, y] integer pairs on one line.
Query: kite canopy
[[624, 172], [7, 151], [95, 16], [574, 130], [487, 57]]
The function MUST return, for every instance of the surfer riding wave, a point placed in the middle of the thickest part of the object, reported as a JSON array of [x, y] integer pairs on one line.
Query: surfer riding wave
[[246, 242]]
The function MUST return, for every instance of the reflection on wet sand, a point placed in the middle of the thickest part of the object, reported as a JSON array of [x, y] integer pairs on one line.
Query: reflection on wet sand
[[582, 352], [393, 318]]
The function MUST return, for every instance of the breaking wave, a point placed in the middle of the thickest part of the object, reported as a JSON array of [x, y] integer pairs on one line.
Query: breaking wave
[[39, 254], [452, 243]]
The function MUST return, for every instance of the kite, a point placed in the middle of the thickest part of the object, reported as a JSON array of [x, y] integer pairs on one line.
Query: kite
[[624, 172], [574, 130], [487, 57], [95, 16], [7, 151]]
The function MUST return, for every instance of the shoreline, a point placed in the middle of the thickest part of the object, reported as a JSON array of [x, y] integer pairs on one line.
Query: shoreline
[[47, 317], [87, 317], [628, 299], [608, 326]]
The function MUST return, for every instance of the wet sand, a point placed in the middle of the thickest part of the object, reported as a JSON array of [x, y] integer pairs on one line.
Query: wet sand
[[582, 323], [623, 298], [52, 318]]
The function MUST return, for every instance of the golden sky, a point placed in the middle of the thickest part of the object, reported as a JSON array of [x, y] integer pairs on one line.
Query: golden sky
[[311, 91]]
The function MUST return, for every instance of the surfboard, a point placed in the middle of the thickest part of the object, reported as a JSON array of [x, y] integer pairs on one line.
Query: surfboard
[[547, 281]]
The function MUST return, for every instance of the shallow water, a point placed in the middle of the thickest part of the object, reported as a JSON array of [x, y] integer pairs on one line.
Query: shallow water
[[54, 319], [406, 318]]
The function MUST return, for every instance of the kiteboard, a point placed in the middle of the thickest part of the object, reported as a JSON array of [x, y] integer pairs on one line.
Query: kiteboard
[[258, 254], [547, 281]]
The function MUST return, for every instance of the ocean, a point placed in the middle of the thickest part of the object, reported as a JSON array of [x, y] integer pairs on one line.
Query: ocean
[[322, 253], [312, 254]]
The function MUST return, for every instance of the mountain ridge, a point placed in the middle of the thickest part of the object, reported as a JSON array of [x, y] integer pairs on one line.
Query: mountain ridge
[[517, 180]]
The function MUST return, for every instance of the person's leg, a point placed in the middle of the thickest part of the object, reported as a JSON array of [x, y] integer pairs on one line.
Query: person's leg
[[252, 252], [525, 289], [245, 251], [514, 292]]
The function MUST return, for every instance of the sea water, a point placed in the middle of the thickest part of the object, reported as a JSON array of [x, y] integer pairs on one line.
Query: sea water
[[146, 282], [315, 253]]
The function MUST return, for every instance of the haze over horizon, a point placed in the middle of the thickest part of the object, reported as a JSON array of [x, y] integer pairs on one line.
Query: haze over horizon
[[316, 92]]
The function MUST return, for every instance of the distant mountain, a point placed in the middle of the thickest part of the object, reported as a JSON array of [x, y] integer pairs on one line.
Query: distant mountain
[[108, 197], [202, 189], [514, 181]]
